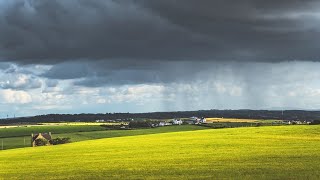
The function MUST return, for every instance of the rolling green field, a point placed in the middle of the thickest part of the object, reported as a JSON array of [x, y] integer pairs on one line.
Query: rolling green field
[[278, 152], [76, 133], [26, 131]]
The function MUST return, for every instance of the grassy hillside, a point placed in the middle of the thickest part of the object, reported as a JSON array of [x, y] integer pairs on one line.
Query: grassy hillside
[[73, 133], [282, 152]]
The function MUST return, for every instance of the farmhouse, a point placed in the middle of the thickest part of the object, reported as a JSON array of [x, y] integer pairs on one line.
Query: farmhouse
[[43, 136], [176, 121], [203, 120]]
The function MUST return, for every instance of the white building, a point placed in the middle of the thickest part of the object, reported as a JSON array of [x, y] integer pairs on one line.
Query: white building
[[177, 122], [162, 123], [203, 120], [196, 120]]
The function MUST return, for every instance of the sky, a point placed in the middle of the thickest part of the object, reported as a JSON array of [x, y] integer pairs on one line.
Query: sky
[[99, 56]]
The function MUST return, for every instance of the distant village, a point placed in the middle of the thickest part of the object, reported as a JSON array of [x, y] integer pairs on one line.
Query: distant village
[[136, 123], [160, 123], [191, 120]]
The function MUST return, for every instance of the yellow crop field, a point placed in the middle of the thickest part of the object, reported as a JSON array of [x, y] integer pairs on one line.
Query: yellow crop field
[[281, 152]]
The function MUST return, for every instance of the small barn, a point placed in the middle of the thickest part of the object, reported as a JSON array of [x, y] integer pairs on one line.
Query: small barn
[[44, 136]]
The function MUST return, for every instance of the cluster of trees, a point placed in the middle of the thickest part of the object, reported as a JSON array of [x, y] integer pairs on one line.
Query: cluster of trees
[[56, 141], [140, 124], [41, 142], [246, 114], [315, 122]]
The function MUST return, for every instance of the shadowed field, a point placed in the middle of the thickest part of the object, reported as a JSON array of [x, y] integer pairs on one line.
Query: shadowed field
[[78, 133], [213, 120]]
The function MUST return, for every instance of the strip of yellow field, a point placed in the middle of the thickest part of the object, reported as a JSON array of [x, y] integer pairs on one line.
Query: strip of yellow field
[[16, 126], [84, 123], [230, 120]]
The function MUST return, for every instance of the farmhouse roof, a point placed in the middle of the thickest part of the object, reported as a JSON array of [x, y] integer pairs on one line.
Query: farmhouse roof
[[44, 135]]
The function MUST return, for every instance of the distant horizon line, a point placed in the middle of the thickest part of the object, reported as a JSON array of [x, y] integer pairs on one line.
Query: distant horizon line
[[272, 109]]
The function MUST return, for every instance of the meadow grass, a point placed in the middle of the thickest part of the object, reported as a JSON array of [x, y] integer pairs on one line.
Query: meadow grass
[[26, 131], [25, 141], [279, 152]]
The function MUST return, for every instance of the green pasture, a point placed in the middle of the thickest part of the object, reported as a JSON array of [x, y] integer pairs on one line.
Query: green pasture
[[76, 135], [26, 131], [272, 152]]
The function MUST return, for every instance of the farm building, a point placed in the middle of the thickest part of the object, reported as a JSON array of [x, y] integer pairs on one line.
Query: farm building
[[43, 136], [176, 121], [203, 120], [196, 120]]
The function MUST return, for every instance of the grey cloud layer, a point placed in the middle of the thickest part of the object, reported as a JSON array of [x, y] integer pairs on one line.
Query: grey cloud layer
[[56, 31], [106, 42], [102, 73]]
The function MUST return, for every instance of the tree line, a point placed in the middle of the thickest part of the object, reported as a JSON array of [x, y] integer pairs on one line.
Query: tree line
[[242, 114]]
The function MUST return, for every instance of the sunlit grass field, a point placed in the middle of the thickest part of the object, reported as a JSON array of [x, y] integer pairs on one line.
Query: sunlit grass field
[[278, 152]]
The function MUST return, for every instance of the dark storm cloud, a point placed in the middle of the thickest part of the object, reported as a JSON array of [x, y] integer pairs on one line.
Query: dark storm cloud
[[250, 30], [55, 31], [108, 42], [68, 71]]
